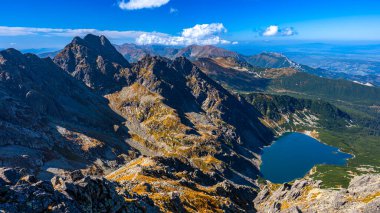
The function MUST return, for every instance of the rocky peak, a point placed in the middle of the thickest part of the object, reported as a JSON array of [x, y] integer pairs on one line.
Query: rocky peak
[[103, 47], [149, 60], [93, 60], [182, 63], [10, 54]]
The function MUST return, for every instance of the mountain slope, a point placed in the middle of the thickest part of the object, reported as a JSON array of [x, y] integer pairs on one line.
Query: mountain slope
[[276, 60], [51, 122], [232, 73], [271, 60], [286, 80], [173, 109], [285, 113], [329, 89], [176, 186], [206, 51], [187, 115]]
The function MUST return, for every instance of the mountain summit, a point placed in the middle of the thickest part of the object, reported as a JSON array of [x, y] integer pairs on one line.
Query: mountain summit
[[93, 60]]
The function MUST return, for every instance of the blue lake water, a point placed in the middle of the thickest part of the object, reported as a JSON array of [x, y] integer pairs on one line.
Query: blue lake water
[[292, 156]]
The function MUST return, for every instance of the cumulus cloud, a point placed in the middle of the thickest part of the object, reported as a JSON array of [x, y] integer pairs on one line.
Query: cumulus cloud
[[141, 4], [203, 34], [203, 30], [275, 30], [271, 31]]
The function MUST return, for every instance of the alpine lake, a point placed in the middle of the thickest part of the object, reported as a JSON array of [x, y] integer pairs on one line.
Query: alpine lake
[[293, 154]]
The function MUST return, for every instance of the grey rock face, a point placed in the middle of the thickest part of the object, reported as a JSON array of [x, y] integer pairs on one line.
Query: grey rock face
[[48, 119], [93, 60], [62, 194], [362, 195]]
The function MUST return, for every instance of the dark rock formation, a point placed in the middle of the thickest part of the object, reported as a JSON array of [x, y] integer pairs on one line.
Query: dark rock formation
[[50, 120], [93, 60], [64, 194]]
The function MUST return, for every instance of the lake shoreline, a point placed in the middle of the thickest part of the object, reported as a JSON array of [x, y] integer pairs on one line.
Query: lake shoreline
[[294, 154]]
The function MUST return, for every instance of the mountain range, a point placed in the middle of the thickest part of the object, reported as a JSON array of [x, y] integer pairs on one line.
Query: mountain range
[[134, 52], [174, 130]]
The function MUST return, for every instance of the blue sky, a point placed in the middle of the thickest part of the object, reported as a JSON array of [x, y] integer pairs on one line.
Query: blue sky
[[53, 23]]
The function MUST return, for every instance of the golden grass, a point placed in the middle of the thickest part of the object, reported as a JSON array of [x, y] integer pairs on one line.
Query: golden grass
[[200, 199], [285, 205], [369, 198]]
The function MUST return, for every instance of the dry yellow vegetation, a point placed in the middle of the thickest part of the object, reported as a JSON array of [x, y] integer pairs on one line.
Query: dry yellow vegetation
[[164, 190]]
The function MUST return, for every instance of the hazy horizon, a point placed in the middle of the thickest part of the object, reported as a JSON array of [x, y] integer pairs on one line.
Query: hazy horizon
[[52, 24]]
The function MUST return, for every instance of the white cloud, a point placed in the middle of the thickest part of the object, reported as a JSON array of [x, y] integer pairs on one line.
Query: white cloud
[[275, 30], [173, 10], [271, 31], [141, 4], [203, 30], [202, 34], [28, 31]]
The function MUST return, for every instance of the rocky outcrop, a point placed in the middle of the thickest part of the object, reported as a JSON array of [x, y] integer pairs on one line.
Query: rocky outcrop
[[71, 193], [51, 121], [176, 186], [362, 195], [95, 61]]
